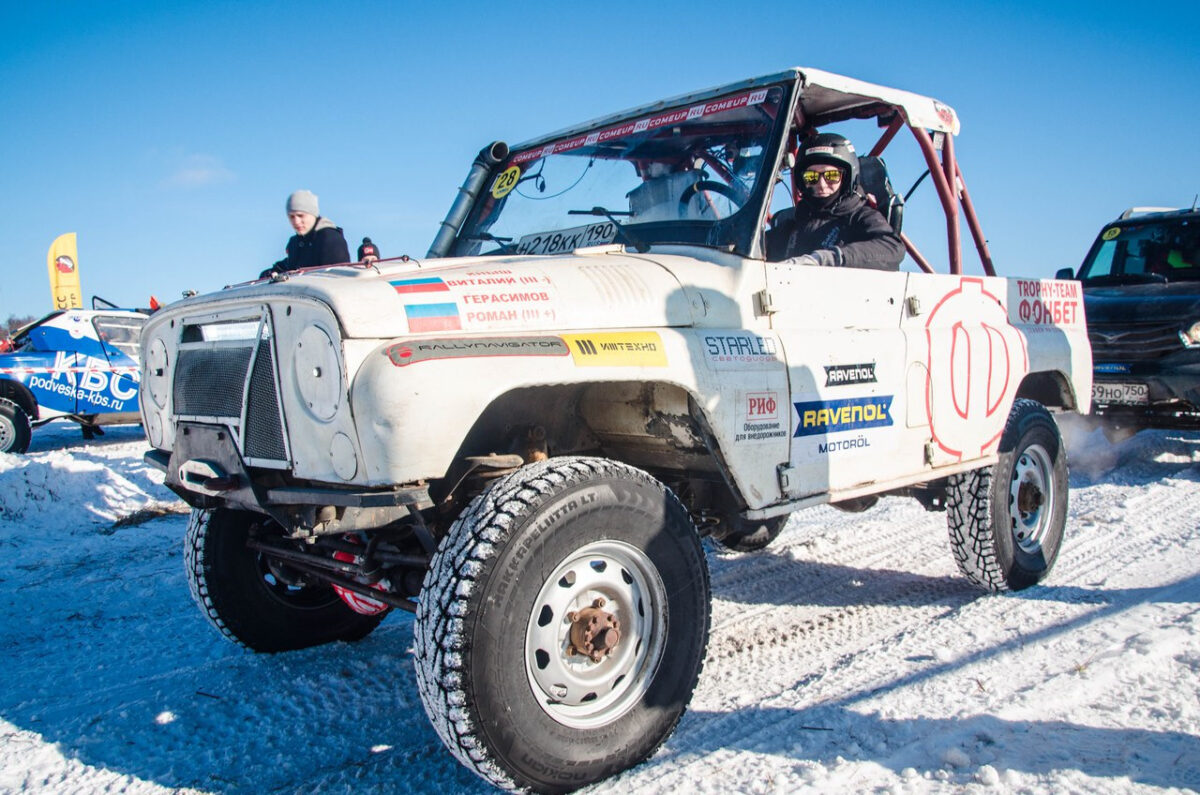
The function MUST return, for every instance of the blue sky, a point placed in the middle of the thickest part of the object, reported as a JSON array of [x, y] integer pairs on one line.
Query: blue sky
[[168, 135]]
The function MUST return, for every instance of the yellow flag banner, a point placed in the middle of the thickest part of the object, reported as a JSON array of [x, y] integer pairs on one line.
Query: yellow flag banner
[[63, 263]]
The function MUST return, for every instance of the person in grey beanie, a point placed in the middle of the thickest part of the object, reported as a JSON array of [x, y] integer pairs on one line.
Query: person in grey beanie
[[318, 241]]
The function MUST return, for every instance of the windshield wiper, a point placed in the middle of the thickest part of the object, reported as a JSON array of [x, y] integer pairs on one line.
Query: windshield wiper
[[638, 245], [506, 246]]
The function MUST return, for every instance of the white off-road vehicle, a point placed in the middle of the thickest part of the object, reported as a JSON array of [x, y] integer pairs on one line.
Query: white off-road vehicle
[[524, 436]]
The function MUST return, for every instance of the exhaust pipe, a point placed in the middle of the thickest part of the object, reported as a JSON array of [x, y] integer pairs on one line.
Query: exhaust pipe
[[489, 157]]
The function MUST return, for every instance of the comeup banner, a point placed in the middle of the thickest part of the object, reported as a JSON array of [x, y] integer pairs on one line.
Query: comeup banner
[[63, 264]]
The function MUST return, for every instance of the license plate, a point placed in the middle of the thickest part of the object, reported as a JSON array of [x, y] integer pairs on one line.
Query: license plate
[[565, 240], [1129, 394]]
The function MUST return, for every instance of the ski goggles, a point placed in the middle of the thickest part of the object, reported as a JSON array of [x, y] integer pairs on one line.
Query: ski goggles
[[813, 177]]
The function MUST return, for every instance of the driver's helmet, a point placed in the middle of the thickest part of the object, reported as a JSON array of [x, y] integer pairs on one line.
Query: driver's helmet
[[834, 150]]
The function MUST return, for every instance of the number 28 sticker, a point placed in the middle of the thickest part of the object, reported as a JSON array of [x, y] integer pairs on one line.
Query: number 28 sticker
[[505, 182]]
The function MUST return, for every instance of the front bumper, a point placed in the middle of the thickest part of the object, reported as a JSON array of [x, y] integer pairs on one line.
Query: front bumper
[[206, 470]]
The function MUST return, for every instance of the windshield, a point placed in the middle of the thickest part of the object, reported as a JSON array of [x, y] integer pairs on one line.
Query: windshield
[[692, 174], [1156, 251]]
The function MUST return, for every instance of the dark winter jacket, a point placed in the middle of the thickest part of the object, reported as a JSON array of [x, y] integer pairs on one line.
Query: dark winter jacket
[[323, 245], [865, 238]]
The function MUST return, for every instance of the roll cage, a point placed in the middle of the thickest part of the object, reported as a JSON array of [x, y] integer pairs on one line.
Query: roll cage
[[796, 104]]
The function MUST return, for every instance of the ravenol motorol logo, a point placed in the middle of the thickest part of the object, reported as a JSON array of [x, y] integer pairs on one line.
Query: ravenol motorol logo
[[832, 416]]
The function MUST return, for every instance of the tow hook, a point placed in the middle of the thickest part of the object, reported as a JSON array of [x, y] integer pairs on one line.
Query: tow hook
[[595, 633]]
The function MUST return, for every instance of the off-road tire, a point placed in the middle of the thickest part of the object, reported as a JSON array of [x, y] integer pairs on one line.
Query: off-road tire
[[748, 535], [15, 428], [246, 602], [996, 545], [505, 586]]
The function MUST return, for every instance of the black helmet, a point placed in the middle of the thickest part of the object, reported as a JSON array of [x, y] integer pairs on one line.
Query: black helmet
[[832, 149]]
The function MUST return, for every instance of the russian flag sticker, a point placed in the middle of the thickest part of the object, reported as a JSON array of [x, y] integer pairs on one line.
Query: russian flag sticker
[[430, 284], [432, 317]]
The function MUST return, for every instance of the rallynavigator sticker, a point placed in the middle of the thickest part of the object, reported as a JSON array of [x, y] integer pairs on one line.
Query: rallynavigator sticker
[[617, 349], [851, 414], [403, 354]]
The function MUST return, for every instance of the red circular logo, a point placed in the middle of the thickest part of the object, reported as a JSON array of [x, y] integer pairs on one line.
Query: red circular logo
[[64, 264]]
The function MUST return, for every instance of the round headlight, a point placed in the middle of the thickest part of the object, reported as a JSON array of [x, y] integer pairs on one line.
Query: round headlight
[[318, 376], [1193, 333]]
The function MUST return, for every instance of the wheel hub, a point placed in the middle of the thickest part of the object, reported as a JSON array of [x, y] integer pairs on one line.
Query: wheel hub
[[595, 633], [1030, 499]]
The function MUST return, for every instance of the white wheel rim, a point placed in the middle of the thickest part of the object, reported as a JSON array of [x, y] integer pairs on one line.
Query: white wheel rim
[[8, 434], [572, 688], [1031, 498]]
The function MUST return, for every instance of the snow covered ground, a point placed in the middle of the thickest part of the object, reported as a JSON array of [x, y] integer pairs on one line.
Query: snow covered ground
[[849, 656]]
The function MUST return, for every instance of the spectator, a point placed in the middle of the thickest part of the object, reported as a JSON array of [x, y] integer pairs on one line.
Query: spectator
[[318, 241], [368, 251]]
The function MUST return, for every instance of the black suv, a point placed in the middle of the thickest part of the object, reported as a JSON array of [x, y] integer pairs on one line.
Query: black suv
[[1141, 288]]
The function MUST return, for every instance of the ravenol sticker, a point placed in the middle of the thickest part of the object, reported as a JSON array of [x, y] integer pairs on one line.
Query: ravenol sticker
[[834, 416], [846, 374], [506, 181], [1111, 233], [617, 349], [403, 354]]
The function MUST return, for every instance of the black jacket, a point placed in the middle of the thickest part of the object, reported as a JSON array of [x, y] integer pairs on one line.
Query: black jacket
[[865, 238], [323, 245]]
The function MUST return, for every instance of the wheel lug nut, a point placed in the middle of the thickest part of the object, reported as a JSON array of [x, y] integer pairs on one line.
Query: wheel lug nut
[[599, 602]]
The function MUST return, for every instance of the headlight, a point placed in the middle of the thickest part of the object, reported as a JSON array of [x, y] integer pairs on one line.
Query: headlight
[[318, 374], [1191, 336]]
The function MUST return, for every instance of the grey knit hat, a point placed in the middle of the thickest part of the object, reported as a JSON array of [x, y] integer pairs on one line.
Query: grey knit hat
[[303, 201]]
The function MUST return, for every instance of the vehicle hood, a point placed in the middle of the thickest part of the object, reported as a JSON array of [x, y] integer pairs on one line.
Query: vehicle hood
[[1134, 303], [609, 289]]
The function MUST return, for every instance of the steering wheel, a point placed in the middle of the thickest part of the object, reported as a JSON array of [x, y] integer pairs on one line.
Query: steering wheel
[[691, 191]]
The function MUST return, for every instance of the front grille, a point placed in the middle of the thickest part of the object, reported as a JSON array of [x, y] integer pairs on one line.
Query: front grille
[[212, 378], [209, 381], [264, 435], [1133, 342]]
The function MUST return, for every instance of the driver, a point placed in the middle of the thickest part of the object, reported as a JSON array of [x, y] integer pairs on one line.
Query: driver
[[833, 224]]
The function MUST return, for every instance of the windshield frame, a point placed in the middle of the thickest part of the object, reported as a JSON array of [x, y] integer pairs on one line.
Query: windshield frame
[[739, 232]]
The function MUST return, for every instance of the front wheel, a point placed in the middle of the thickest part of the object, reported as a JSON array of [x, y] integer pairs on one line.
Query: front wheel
[[16, 431], [562, 625], [256, 601], [1006, 521]]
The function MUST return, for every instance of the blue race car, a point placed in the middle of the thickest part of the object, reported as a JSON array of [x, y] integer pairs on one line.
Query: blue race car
[[76, 364]]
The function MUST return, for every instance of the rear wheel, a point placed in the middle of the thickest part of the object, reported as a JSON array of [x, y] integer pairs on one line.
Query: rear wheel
[[562, 625], [1006, 521], [748, 535], [16, 431], [256, 601]]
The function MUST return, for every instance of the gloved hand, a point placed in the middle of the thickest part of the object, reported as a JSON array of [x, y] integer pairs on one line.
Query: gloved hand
[[828, 257]]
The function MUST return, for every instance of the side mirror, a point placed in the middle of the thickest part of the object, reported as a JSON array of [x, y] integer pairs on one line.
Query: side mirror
[[1065, 273]]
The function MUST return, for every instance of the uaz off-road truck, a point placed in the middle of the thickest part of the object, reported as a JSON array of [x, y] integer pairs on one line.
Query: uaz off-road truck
[[523, 436], [1141, 286]]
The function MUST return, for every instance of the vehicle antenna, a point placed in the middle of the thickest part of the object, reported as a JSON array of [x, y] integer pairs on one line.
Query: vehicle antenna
[[1194, 200]]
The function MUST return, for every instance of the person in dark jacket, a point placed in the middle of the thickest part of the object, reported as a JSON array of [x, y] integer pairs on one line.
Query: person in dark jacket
[[318, 241], [368, 251], [833, 224]]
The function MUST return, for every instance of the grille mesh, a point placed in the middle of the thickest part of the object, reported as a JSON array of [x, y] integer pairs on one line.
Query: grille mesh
[[264, 435], [1125, 343], [209, 382]]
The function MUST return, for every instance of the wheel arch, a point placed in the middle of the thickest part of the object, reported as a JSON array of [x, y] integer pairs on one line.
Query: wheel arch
[[1051, 388], [658, 426], [19, 393]]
